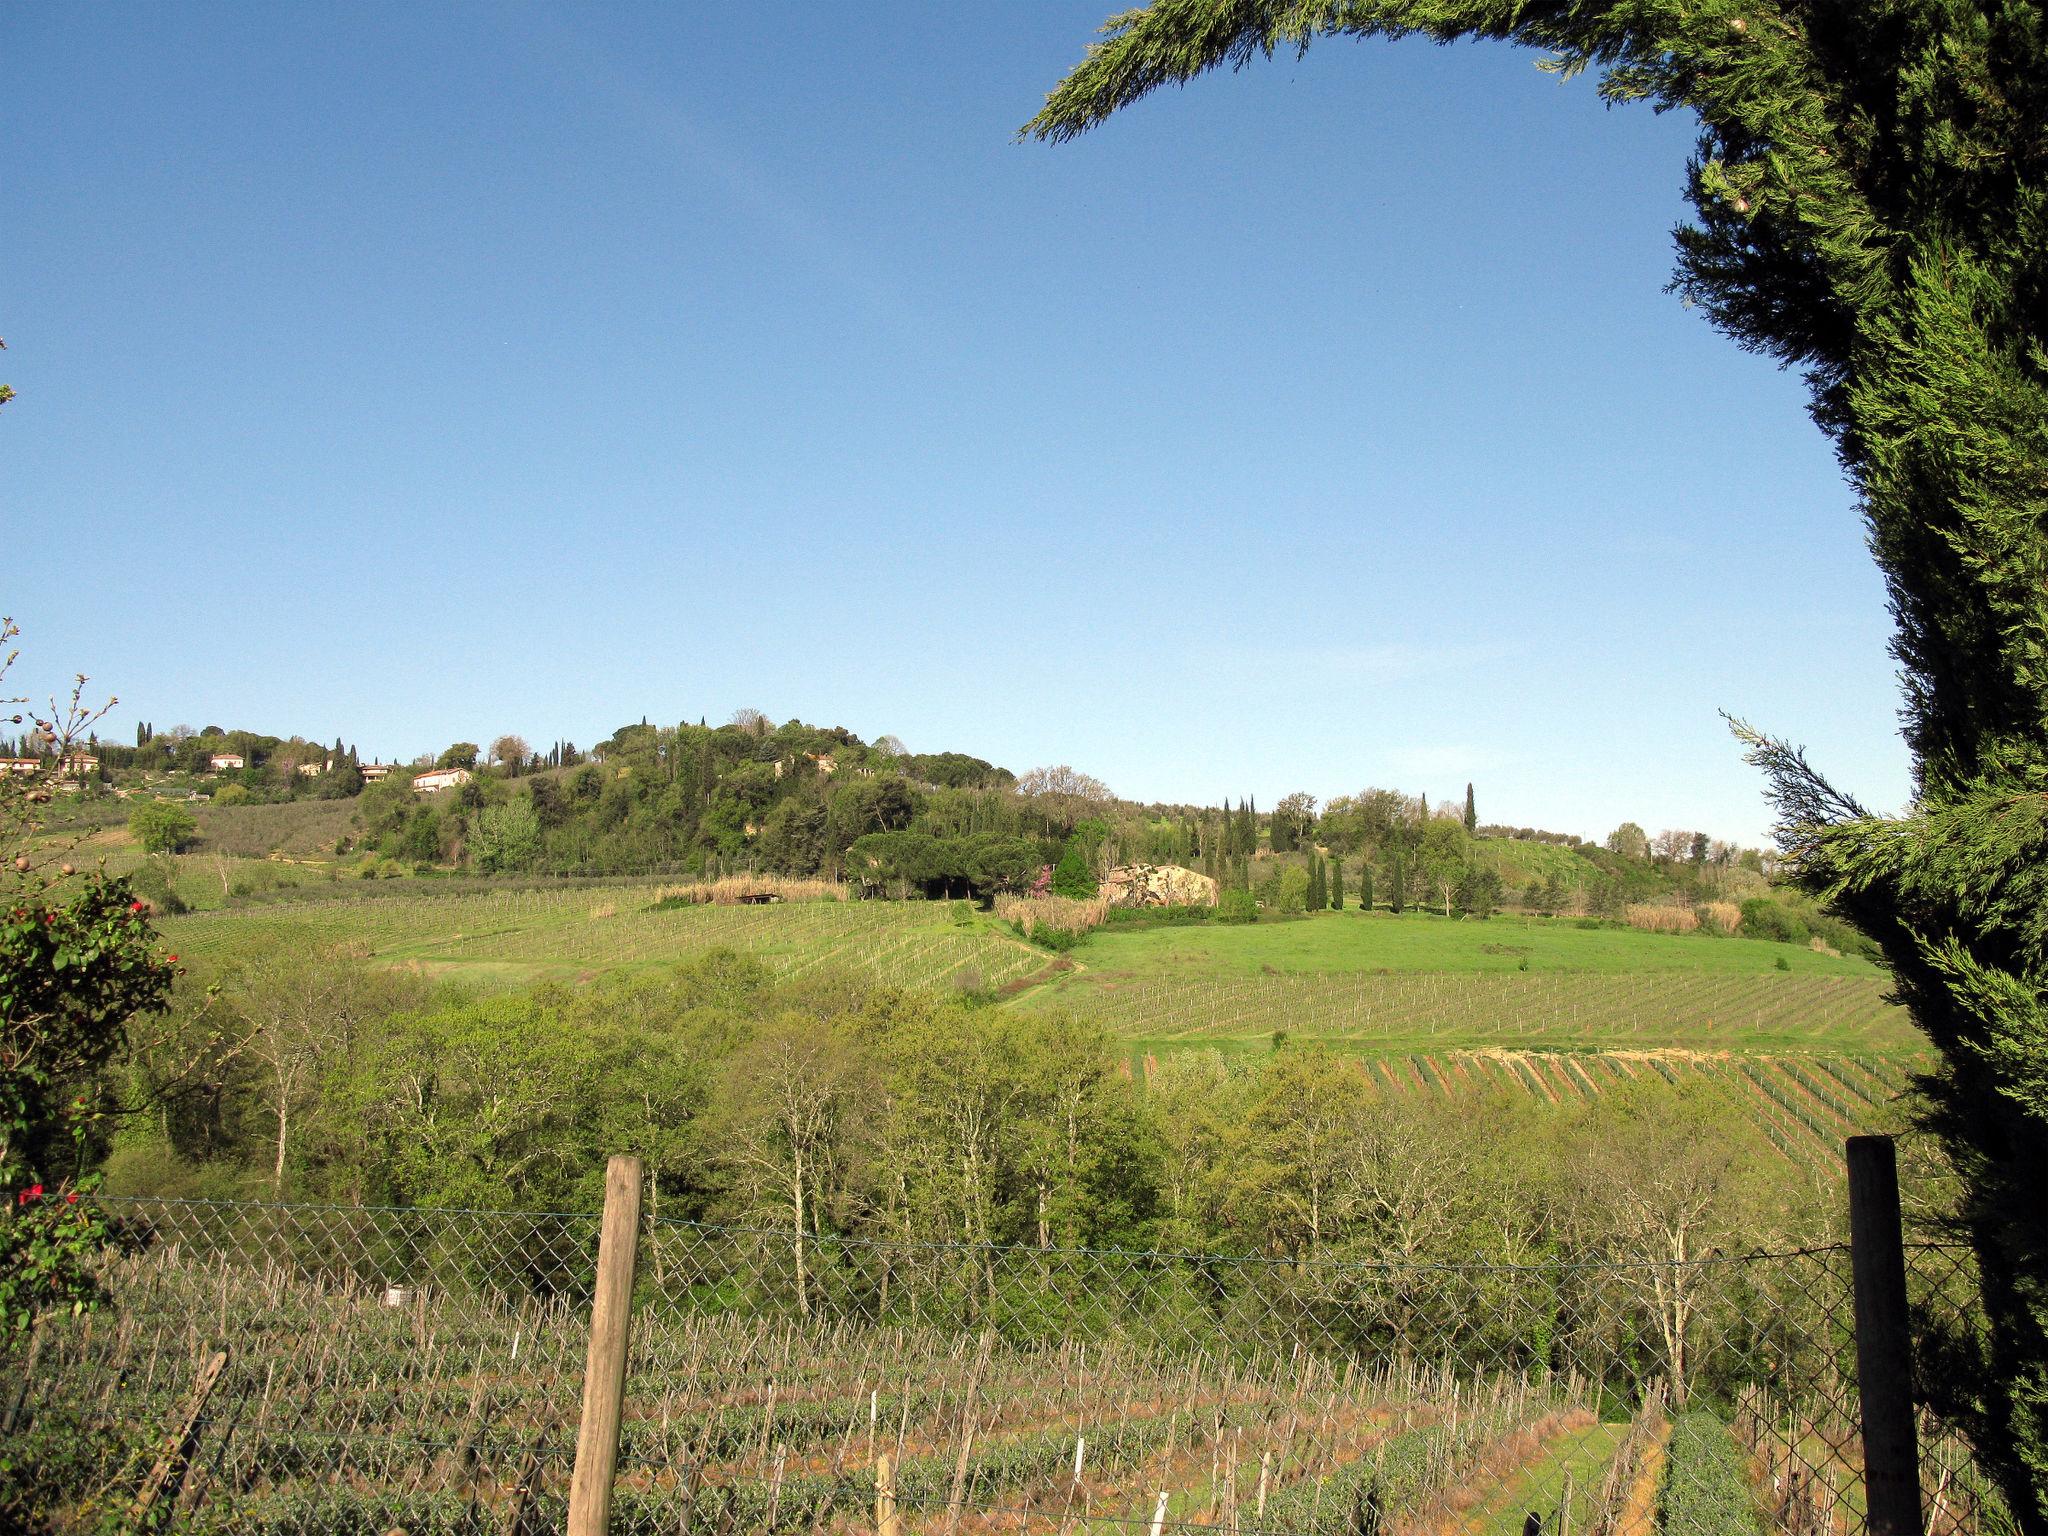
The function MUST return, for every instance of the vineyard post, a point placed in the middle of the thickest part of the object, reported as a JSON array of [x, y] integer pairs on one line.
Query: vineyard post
[[887, 1521], [1884, 1345], [604, 1375]]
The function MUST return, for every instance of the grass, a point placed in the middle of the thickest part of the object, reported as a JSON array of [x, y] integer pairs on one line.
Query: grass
[[506, 936], [1538, 1484], [1339, 943]]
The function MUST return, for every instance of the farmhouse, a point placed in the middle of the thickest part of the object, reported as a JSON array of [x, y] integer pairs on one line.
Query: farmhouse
[[312, 770], [20, 764], [439, 779], [375, 773], [225, 762]]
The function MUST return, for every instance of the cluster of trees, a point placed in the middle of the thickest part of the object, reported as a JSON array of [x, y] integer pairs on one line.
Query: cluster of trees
[[828, 1107]]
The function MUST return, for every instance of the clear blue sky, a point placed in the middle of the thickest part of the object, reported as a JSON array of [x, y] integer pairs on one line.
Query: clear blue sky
[[417, 374]]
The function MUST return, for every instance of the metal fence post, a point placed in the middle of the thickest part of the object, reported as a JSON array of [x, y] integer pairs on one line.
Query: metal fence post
[[604, 1376], [1884, 1343]]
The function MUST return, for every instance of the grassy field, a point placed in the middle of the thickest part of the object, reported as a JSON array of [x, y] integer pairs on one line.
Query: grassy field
[[509, 937], [1332, 943]]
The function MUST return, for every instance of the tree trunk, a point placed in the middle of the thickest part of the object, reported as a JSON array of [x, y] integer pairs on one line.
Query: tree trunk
[[284, 1115]]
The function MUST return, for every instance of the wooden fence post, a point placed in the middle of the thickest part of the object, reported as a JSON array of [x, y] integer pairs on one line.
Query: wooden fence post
[[604, 1375], [178, 1444], [887, 1521], [1884, 1342]]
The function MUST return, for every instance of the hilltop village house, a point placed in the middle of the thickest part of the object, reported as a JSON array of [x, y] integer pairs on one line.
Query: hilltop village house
[[227, 762], [375, 773], [440, 779]]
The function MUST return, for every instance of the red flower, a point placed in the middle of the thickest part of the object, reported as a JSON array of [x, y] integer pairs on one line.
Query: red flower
[[170, 960], [135, 906], [30, 1195], [71, 1197]]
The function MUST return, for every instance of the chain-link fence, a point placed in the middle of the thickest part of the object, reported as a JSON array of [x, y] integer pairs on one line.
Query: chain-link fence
[[422, 1371]]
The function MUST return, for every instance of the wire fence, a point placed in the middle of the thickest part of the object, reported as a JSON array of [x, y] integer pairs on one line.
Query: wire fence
[[421, 1371]]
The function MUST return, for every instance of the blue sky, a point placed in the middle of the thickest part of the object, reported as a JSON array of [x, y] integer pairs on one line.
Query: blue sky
[[416, 374]]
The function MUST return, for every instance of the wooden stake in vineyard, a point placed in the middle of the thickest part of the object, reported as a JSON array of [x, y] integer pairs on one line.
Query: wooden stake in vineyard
[[604, 1376], [887, 1521]]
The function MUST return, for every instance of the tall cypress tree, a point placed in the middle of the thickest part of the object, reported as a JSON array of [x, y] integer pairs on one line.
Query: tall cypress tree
[[1471, 812], [1336, 884], [1397, 883], [1365, 885]]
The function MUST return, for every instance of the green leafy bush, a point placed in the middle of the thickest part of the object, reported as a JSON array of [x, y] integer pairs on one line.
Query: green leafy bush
[[152, 882], [1763, 918], [1237, 907], [162, 826]]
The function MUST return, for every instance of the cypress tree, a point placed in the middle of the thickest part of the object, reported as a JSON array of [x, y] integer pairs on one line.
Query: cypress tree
[[1471, 812], [1318, 890], [1365, 885], [1397, 883], [1336, 885]]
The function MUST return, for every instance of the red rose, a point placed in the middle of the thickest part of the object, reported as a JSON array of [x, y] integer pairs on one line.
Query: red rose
[[71, 1197], [33, 1193]]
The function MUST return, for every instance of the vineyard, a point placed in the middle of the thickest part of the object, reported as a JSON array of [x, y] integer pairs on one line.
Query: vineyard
[[1804, 1107], [1555, 1010], [420, 1371], [520, 935]]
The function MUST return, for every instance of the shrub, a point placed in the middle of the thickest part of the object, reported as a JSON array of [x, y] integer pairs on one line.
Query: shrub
[[1237, 907], [1763, 918], [731, 890], [162, 827], [1054, 922], [152, 882], [1159, 917]]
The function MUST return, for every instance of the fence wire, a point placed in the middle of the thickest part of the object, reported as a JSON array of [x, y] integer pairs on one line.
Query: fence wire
[[420, 1371]]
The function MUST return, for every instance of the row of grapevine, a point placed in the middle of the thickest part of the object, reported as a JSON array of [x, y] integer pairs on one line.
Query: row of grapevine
[[1562, 1009]]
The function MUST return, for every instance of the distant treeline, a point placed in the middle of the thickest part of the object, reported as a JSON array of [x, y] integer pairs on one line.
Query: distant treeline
[[813, 801]]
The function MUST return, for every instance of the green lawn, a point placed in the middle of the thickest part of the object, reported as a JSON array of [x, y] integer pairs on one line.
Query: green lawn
[[1336, 942]]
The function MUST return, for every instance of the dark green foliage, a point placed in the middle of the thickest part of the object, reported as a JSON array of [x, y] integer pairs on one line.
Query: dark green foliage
[[1364, 886], [161, 826], [1336, 885], [1479, 893], [1237, 906], [944, 866], [74, 969], [1072, 876], [1397, 881], [1763, 918], [1871, 206], [1471, 813]]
